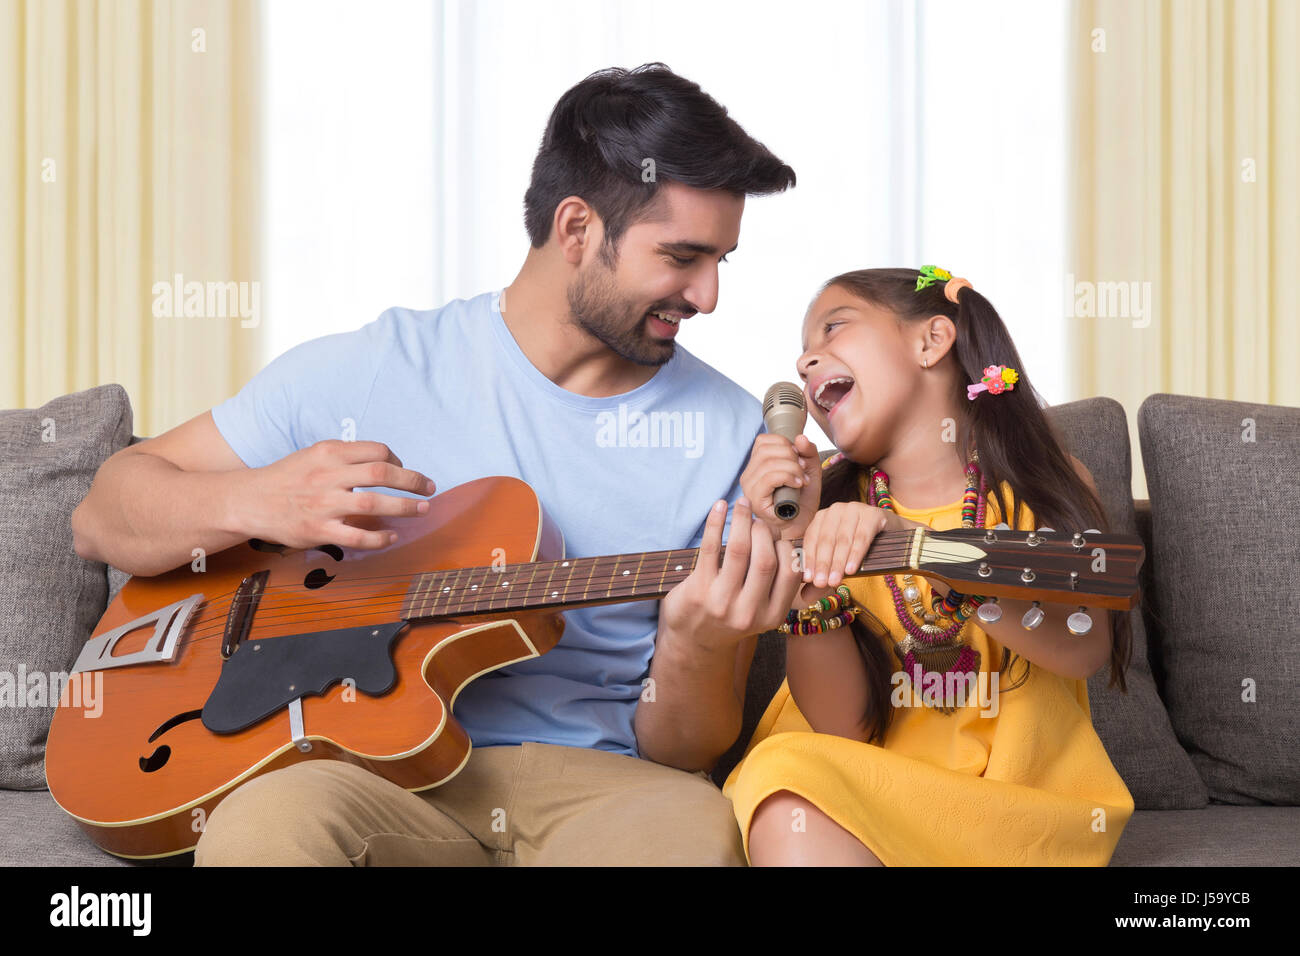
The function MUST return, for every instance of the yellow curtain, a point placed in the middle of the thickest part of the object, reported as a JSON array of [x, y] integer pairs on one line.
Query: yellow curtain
[[1185, 205], [129, 157]]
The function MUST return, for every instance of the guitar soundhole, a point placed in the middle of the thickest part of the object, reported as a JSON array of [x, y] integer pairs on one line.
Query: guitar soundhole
[[333, 550], [267, 547], [171, 722], [156, 759], [317, 579]]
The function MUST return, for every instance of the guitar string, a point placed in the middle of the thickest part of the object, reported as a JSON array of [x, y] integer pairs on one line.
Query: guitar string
[[932, 550], [458, 592], [378, 603], [640, 556], [930, 545], [887, 539], [534, 588], [457, 595]]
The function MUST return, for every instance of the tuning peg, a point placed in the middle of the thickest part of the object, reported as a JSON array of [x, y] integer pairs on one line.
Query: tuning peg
[[1079, 623], [990, 612], [1033, 617], [1034, 540]]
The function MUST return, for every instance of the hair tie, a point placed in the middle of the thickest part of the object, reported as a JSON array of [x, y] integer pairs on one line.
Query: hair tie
[[953, 286], [932, 274], [997, 379]]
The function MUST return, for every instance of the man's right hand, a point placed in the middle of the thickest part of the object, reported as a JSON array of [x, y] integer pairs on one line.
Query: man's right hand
[[305, 499]]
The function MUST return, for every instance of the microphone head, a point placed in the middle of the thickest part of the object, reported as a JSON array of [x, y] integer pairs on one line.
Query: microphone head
[[783, 393], [784, 411]]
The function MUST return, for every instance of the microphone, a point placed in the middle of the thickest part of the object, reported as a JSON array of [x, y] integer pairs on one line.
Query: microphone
[[785, 414]]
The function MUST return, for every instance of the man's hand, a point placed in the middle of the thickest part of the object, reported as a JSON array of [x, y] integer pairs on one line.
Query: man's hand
[[304, 499], [716, 607], [776, 462]]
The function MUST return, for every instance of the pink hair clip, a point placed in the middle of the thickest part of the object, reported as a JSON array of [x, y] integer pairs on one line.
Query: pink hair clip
[[997, 379]]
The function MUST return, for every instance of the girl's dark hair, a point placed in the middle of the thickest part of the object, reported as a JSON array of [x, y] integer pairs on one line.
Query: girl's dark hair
[[603, 130], [1014, 438]]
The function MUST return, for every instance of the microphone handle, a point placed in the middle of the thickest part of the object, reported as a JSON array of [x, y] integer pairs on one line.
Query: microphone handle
[[786, 503]]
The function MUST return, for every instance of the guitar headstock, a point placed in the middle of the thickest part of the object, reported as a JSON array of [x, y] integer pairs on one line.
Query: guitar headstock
[[1086, 568]]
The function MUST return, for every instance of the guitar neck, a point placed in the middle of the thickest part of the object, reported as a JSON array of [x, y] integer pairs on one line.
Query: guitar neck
[[584, 582]]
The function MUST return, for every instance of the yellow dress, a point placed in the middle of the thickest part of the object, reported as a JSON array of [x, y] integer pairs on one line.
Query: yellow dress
[[1029, 785]]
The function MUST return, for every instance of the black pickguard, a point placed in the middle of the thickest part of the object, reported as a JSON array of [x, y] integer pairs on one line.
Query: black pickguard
[[264, 676]]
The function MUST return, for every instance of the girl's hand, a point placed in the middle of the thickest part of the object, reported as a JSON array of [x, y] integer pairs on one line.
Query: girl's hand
[[775, 462], [837, 539]]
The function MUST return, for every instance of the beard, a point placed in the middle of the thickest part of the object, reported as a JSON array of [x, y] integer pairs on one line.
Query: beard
[[601, 312]]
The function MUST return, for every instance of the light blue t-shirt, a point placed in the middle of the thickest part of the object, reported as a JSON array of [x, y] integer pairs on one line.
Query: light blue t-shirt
[[454, 397]]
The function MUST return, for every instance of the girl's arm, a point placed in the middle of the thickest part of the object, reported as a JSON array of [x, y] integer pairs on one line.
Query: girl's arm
[[828, 682], [827, 676]]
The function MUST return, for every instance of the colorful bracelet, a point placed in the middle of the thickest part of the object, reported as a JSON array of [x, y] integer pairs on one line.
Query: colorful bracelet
[[833, 611]]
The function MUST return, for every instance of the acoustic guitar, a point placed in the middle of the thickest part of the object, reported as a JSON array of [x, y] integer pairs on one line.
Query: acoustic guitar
[[273, 655]]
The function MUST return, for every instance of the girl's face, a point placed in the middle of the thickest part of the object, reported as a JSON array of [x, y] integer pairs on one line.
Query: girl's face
[[857, 372]]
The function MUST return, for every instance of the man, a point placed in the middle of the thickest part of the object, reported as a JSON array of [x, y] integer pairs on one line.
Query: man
[[597, 751]]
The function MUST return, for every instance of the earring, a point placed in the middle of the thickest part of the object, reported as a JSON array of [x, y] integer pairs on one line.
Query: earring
[[925, 363]]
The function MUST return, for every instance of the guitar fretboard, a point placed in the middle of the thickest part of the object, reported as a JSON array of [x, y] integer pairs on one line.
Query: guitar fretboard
[[580, 581]]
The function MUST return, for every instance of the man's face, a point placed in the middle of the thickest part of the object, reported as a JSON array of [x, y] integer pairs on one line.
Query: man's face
[[667, 263]]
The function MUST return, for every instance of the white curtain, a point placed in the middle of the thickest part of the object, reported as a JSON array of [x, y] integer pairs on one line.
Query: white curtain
[[920, 132], [1185, 196], [128, 157]]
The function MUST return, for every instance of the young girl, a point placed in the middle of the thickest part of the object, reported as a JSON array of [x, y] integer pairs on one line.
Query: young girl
[[915, 379]]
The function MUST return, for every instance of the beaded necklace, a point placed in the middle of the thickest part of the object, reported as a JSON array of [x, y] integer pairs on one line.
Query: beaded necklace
[[930, 647]]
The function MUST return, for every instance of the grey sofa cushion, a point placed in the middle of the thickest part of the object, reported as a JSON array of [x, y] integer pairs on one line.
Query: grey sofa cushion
[[1133, 726], [1224, 513], [34, 831], [50, 599], [1215, 835]]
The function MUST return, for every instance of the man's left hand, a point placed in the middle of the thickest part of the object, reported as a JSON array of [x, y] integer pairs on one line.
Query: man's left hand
[[750, 592]]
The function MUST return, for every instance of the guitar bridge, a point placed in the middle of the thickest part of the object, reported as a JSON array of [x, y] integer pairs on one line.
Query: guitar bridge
[[242, 609], [169, 623]]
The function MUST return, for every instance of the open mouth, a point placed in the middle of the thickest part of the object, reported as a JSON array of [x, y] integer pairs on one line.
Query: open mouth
[[665, 323], [832, 391]]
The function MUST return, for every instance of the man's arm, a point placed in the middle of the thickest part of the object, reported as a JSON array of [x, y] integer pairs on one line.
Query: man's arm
[[707, 634], [709, 624], [153, 503]]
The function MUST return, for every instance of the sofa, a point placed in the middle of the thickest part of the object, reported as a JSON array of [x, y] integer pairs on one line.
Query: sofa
[[1205, 738]]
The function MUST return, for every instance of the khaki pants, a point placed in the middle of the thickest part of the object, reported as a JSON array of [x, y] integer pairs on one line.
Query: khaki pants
[[527, 805]]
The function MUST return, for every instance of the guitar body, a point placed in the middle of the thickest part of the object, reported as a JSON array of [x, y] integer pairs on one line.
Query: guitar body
[[140, 771]]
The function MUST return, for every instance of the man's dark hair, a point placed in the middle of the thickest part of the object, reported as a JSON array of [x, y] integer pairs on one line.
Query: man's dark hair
[[602, 130]]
